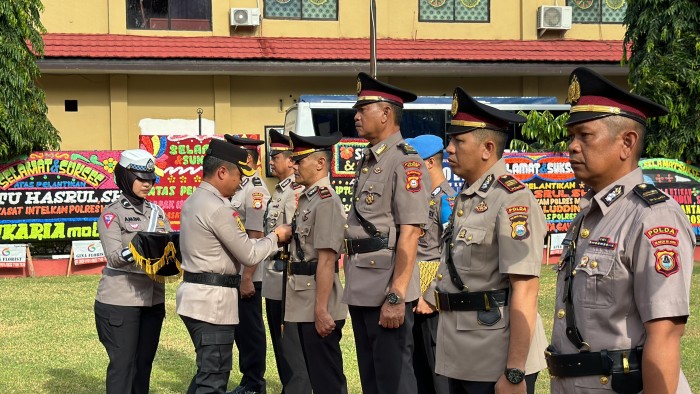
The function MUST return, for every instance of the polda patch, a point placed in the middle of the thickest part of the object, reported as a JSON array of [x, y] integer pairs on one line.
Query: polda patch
[[661, 230], [666, 262], [411, 164], [516, 209]]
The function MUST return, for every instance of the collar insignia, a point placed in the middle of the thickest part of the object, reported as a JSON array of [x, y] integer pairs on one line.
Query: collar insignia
[[613, 195]]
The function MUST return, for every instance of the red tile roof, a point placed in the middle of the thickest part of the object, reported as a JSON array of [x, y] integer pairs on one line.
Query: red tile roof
[[111, 46]]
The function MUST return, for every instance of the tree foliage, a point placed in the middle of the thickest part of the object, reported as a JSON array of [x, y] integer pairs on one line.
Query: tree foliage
[[664, 39], [24, 126], [547, 133]]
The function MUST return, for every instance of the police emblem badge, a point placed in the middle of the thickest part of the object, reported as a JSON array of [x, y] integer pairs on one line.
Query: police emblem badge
[[519, 229]]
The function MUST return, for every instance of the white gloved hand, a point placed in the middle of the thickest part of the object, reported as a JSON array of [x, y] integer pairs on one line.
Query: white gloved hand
[[127, 255]]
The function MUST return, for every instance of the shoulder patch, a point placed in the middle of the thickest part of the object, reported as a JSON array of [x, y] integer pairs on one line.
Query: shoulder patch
[[257, 181], [296, 186], [324, 193], [510, 183], [650, 194], [411, 164], [257, 200], [108, 218], [407, 149]]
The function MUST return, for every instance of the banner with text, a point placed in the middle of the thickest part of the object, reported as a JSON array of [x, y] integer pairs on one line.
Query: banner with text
[[180, 157], [51, 196], [88, 252], [13, 256]]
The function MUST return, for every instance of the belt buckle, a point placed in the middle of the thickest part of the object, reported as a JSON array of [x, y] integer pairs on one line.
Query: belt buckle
[[625, 363], [437, 300], [585, 347], [347, 250]]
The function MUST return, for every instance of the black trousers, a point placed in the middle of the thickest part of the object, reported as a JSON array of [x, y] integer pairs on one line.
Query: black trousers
[[213, 344], [289, 357], [384, 355], [130, 335], [324, 359], [425, 340], [250, 340], [467, 387]]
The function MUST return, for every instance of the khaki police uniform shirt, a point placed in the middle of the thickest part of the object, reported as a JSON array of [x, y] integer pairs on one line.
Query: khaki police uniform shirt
[[496, 232], [250, 201], [319, 225], [280, 210], [125, 283], [634, 265], [213, 239], [430, 242], [389, 190]]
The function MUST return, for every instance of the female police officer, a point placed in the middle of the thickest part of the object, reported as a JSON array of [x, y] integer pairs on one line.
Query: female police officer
[[129, 306]]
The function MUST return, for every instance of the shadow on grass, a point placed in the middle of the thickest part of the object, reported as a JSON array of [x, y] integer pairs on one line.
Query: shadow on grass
[[177, 367], [65, 380]]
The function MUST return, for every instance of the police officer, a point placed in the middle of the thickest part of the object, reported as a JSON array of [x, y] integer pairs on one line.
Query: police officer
[[430, 149], [313, 290], [250, 202], [291, 367], [390, 203], [129, 306], [214, 244], [624, 280], [487, 286]]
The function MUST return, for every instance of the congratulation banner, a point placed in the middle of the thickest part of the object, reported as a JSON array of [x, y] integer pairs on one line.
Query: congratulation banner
[[50, 196], [180, 158], [88, 252], [13, 256]]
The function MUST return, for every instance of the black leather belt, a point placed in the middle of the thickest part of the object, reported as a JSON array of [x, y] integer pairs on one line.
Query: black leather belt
[[208, 278], [605, 362], [470, 301], [366, 245], [304, 268]]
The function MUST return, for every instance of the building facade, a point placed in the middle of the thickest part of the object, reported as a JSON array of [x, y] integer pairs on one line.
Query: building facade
[[115, 69]]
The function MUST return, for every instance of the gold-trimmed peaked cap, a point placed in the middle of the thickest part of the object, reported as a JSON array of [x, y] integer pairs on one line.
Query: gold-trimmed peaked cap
[[592, 97], [231, 153], [469, 115], [370, 90], [303, 146], [278, 142]]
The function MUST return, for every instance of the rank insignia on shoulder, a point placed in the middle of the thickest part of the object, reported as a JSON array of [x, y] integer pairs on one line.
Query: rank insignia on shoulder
[[510, 183], [296, 186], [615, 193], [324, 193], [650, 194], [257, 182], [487, 183], [408, 149]]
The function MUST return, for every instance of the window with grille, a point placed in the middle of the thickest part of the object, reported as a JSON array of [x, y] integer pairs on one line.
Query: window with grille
[[169, 14], [301, 9], [454, 10], [598, 11]]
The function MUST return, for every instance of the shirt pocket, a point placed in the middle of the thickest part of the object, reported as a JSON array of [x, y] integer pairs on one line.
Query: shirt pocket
[[595, 270], [381, 259], [465, 249], [303, 282], [370, 195]]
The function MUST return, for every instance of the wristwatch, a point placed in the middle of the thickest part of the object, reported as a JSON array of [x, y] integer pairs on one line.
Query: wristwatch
[[514, 375], [393, 299]]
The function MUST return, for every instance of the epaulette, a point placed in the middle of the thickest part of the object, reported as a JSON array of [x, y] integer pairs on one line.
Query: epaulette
[[296, 186], [650, 194], [510, 183], [408, 149], [324, 193], [257, 182]]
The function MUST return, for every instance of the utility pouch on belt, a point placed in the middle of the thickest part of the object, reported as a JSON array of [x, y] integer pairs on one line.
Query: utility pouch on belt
[[491, 315]]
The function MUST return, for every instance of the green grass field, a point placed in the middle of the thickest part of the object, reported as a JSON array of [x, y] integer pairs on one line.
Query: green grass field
[[48, 342]]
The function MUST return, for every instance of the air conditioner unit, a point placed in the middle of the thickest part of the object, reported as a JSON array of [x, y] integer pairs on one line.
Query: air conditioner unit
[[245, 16], [554, 17]]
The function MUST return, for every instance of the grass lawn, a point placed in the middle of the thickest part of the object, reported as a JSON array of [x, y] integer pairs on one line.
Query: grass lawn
[[48, 342]]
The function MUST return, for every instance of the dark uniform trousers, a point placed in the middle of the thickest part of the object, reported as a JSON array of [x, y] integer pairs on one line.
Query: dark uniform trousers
[[384, 355], [291, 365], [250, 340], [213, 344], [425, 340], [324, 359], [130, 334], [465, 387]]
